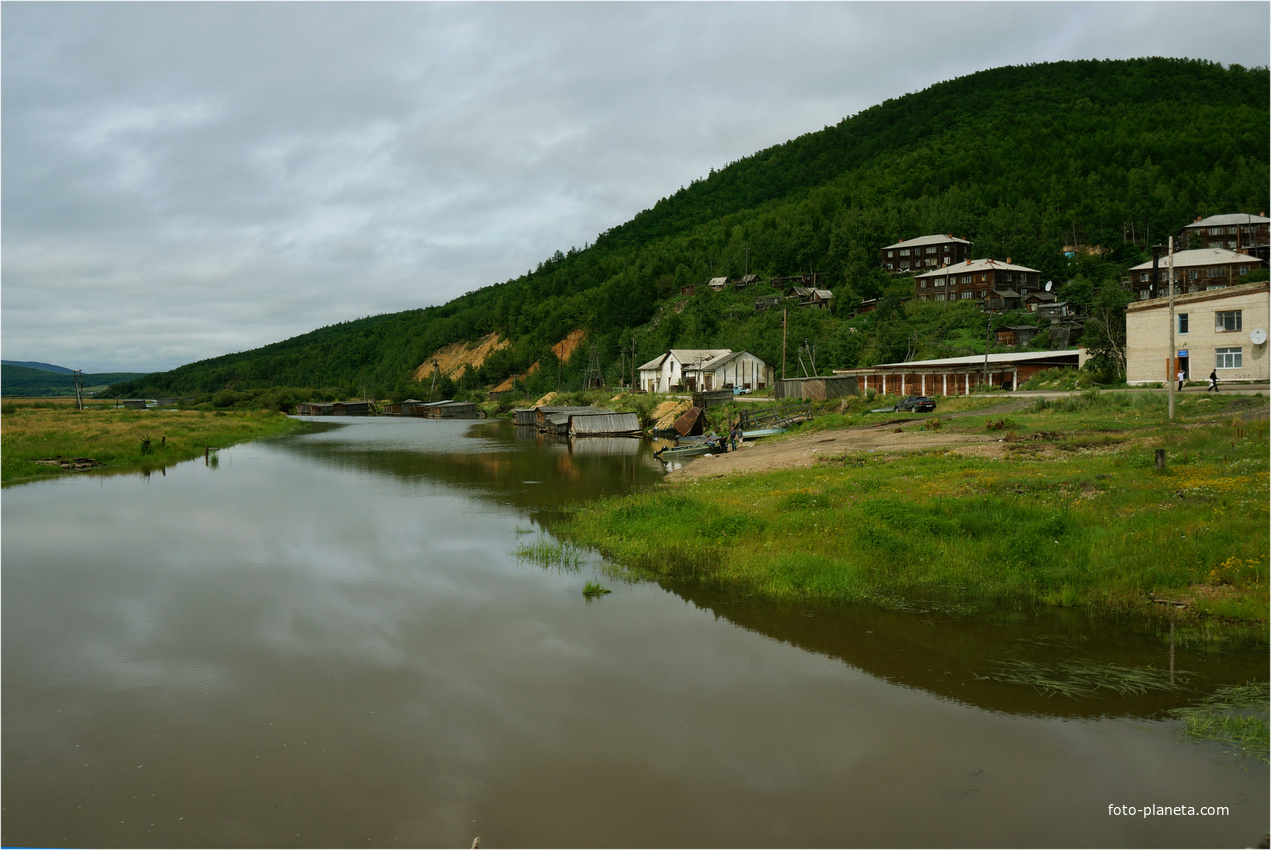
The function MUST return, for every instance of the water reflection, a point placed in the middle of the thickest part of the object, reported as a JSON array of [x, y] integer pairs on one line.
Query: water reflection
[[495, 460], [330, 642], [954, 656]]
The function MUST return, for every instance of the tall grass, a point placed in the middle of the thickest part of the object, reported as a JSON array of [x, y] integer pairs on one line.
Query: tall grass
[[121, 440], [1092, 525]]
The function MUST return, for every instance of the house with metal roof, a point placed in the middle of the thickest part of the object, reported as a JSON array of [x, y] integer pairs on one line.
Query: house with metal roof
[[924, 253], [1240, 232], [696, 369], [978, 279], [1195, 270]]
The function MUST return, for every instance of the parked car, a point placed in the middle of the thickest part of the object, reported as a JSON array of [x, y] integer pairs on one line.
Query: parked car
[[741, 390], [916, 403]]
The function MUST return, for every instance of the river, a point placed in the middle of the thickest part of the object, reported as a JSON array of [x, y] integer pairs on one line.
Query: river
[[330, 640]]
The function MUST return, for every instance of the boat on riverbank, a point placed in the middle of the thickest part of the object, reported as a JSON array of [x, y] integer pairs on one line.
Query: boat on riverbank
[[687, 451]]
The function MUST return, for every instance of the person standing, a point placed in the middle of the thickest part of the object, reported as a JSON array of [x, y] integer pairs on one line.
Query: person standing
[[1213, 381], [1181, 376]]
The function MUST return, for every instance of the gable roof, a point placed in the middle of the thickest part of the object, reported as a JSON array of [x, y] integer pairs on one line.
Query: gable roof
[[1198, 257], [917, 242], [1228, 219], [973, 266]]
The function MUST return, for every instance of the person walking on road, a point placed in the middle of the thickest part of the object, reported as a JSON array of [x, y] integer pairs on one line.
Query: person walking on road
[[1213, 381], [1181, 376]]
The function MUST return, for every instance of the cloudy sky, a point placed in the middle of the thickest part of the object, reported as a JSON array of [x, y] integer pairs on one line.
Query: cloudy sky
[[184, 180]]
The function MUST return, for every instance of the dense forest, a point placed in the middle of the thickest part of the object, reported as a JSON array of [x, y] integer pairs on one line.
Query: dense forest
[[1023, 161]]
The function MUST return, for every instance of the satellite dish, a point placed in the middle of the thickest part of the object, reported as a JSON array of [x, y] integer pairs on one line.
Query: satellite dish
[[1258, 336], [1049, 284]]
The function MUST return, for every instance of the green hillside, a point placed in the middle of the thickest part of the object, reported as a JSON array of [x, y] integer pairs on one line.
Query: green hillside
[[1021, 161], [18, 380]]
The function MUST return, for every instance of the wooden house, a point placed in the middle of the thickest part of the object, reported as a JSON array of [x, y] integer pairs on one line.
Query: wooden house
[[1239, 232], [924, 253], [975, 279], [1195, 270]]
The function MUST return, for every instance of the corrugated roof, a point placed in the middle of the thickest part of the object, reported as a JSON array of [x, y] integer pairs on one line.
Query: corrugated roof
[[973, 266], [1198, 257], [1228, 219], [606, 423], [936, 239], [979, 358], [692, 356]]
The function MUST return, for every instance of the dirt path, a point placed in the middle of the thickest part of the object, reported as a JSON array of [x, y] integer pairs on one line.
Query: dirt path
[[890, 436]]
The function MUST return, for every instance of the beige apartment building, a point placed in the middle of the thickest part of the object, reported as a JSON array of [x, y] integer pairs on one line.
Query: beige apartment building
[[1221, 330]]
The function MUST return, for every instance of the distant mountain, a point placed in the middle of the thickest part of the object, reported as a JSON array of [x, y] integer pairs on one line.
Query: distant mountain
[[1110, 156], [44, 367], [21, 380]]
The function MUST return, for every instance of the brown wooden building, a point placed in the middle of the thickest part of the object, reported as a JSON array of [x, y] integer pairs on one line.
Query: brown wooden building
[[1194, 271], [1239, 232], [924, 253], [977, 279]]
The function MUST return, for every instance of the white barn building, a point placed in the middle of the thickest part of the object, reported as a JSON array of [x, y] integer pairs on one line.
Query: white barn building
[[694, 369]]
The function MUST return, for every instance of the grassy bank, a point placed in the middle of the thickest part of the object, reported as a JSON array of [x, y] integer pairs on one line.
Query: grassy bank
[[46, 439], [1073, 513]]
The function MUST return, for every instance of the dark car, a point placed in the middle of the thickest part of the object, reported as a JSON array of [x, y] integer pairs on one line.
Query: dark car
[[916, 403]]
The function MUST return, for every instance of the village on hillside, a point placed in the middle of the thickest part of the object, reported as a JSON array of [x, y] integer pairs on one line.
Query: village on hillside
[[1211, 258]]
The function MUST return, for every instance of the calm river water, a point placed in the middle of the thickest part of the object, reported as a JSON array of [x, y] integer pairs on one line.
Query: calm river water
[[329, 641]]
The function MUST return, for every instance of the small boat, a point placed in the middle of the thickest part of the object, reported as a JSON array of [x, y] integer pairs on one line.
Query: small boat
[[695, 450]]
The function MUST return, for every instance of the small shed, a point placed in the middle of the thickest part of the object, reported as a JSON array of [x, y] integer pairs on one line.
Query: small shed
[[1016, 335], [712, 398], [604, 424]]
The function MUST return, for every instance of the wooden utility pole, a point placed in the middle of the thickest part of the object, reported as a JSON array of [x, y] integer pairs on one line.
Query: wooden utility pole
[[785, 315], [1173, 352], [436, 367], [79, 389], [988, 337]]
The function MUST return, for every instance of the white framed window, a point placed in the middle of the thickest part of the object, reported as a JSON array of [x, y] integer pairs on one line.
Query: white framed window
[[1229, 358], [1182, 323], [965, 294], [1218, 272], [904, 252], [939, 296], [1227, 320]]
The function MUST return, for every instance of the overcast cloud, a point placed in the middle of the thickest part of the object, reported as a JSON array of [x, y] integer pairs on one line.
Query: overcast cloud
[[184, 180]]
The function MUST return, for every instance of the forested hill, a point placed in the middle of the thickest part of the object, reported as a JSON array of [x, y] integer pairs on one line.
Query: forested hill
[[1021, 161]]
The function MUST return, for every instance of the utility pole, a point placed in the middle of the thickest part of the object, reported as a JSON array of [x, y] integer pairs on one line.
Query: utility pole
[[79, 389], [988, 337], [1173, 352], [436, 367], [785, 315]]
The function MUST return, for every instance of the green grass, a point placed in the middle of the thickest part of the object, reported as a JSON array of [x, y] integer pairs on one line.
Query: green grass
[[592, 590], [1084, 679], [551, 555], [1076, 515], [1236, 716], [118, 441]]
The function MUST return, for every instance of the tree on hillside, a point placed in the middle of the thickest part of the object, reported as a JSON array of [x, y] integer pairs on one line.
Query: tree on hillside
[[1104, 336]]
